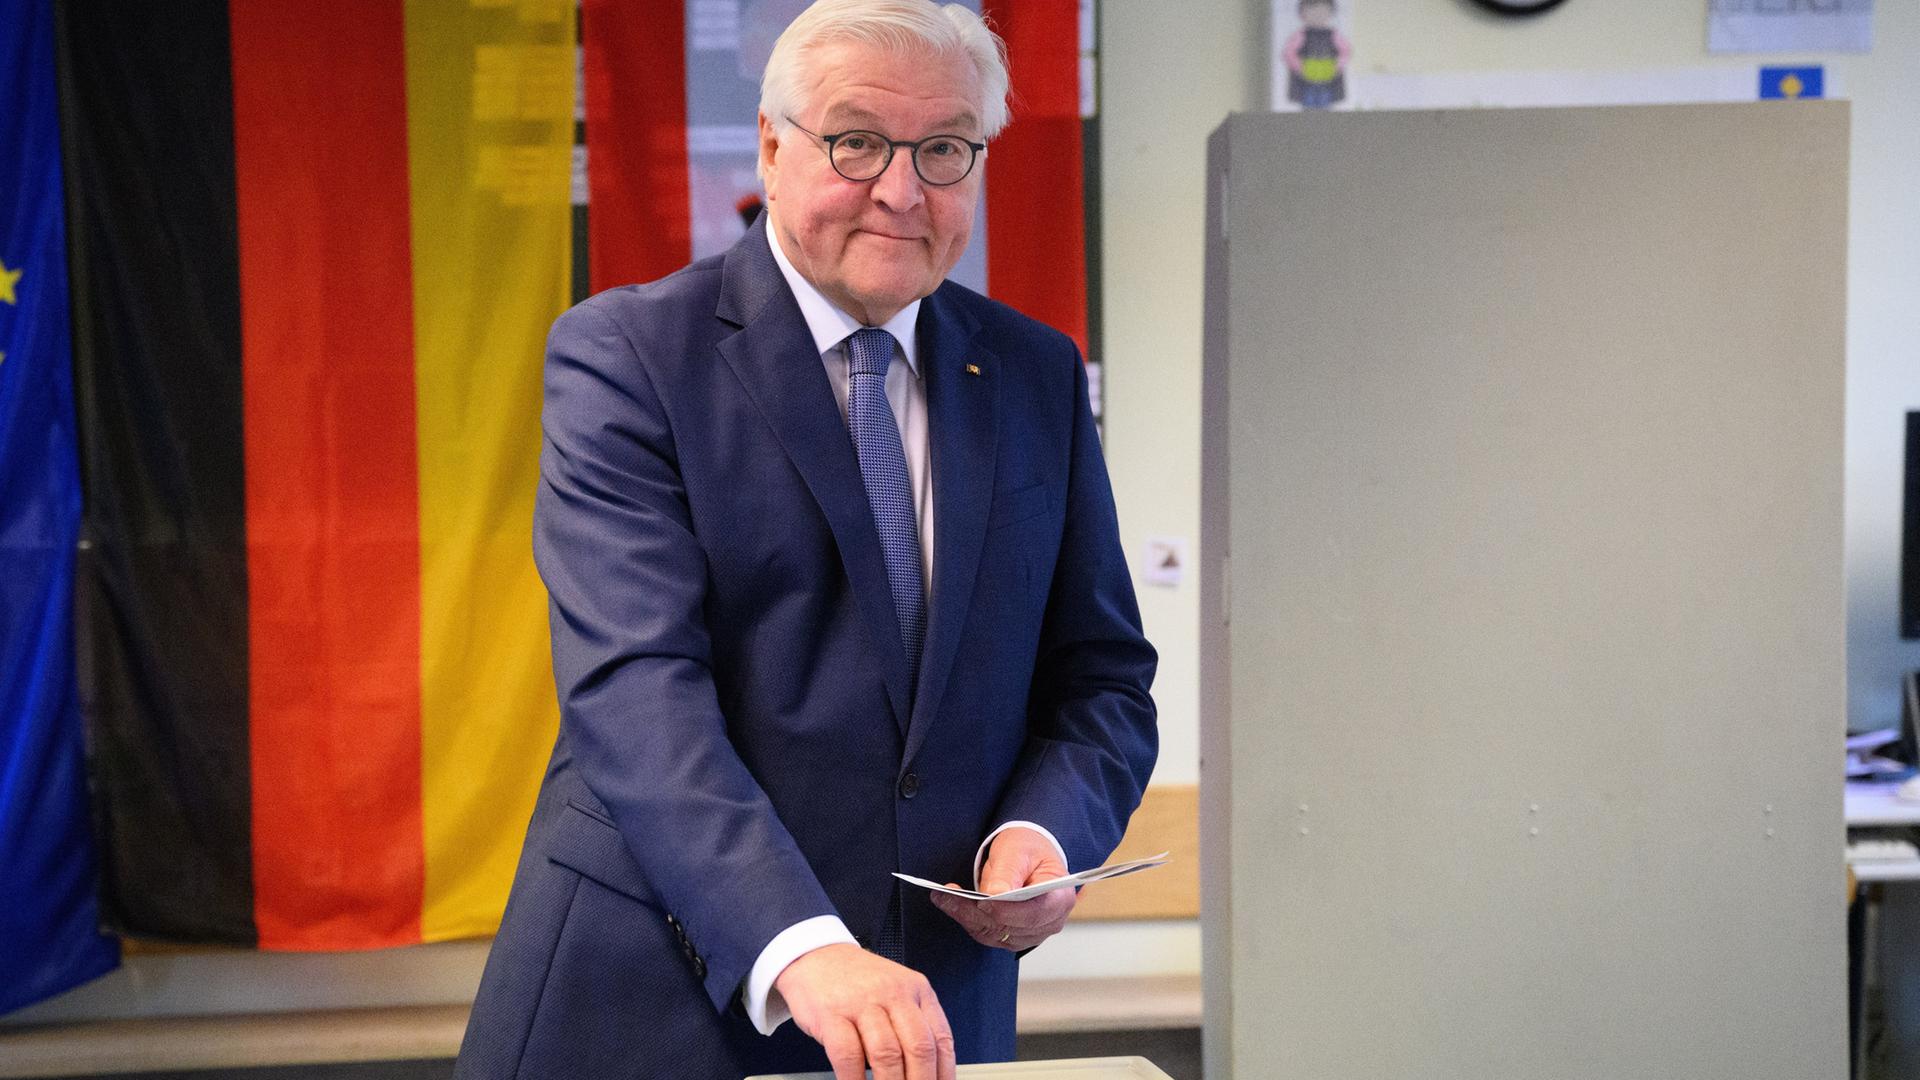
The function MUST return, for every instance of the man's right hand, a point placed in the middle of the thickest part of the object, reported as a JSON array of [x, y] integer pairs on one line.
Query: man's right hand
[[868, 1012]]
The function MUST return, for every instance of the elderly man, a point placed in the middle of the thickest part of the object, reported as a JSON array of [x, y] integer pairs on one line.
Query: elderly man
[[837, 590]]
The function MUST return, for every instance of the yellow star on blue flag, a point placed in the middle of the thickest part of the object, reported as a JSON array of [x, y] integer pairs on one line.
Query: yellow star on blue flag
[[7, 280]]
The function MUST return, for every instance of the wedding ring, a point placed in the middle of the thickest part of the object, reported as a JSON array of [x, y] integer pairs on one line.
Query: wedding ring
[[1006, 936]]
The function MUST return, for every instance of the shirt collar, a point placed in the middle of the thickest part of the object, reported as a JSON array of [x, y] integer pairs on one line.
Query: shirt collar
[[828, 324]]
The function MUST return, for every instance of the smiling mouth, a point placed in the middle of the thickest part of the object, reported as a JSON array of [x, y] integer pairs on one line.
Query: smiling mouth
[[890, 236]]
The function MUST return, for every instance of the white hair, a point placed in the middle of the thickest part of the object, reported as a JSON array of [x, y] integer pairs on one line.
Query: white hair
[[904, 26]]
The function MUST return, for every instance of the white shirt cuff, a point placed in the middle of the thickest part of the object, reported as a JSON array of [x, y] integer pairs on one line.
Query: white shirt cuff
[[765, 1007], [980, 857]]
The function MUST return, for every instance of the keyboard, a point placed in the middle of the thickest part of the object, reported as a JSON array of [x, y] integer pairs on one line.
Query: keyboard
[[1882, 851]]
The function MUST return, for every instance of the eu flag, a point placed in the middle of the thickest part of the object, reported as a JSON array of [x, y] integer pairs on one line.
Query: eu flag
[[49, 918]]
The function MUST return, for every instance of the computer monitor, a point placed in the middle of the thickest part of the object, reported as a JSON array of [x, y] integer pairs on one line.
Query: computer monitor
[[1910, 719], [1910, 536]]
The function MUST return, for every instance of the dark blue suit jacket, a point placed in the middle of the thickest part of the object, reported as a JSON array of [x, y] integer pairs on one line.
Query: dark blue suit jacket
[[739, 749]]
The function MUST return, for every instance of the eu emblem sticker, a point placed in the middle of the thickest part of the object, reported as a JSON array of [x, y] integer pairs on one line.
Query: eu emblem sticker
[[1790, 83]]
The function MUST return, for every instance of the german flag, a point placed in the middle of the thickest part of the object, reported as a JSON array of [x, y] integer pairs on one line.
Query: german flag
[[316, 249]]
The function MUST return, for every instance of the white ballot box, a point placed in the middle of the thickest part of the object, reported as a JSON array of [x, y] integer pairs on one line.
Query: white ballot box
[[1113, 1068]]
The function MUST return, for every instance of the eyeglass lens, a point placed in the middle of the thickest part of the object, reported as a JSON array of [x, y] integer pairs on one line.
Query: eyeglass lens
[[863, 155]]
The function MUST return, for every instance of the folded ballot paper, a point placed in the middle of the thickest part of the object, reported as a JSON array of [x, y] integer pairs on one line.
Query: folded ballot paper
[[1084, 877]]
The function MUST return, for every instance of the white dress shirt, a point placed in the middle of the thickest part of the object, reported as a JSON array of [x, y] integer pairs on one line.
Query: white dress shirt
[[907, 395]]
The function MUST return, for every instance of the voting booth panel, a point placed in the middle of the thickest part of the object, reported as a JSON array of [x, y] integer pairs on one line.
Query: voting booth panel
[[1522, 629]]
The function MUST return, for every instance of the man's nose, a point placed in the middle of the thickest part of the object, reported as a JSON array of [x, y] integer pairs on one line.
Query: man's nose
[[899, 187]]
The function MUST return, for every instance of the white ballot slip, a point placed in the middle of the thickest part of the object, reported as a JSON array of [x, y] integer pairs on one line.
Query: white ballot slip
[[1084, 877]]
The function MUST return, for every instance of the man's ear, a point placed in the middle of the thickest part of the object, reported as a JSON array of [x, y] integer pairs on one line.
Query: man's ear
[[769, 142]]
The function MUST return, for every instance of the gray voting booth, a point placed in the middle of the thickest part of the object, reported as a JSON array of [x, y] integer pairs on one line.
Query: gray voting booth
[[1522, 632]]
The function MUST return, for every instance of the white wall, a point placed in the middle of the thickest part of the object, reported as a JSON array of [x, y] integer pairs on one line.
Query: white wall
[[1169, 73]]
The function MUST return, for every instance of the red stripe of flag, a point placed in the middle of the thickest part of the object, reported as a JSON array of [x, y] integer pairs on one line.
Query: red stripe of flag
[[320, 147], [640, 225], [1037, 254]]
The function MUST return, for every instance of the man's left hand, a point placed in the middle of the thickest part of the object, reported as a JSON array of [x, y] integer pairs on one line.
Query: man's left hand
[[1018, 858]]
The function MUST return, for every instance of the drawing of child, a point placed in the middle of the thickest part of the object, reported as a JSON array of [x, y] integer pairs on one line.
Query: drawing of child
[[1316, 58]]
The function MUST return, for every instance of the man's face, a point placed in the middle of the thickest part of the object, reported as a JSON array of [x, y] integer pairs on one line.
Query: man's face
[[876, 246], [1316, 16]]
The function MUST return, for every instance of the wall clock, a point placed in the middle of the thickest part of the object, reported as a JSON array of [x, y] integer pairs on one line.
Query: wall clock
[[1518, 7]]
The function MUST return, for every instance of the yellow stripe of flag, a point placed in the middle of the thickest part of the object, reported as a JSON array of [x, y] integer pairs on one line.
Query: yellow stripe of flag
[[490, 94]]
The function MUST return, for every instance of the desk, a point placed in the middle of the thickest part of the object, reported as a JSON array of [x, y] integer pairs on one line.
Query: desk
[[1875, 804], [1900, 870], [1868, 806], [1871, 805]]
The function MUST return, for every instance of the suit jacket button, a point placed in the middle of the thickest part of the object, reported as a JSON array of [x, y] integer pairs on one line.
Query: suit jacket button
[[909, 785]]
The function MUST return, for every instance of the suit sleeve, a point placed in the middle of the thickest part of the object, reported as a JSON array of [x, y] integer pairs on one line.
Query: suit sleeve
[[626, 579], [1091, 729]]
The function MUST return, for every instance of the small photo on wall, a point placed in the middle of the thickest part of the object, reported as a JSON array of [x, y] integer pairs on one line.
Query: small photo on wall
[[1311, 54]]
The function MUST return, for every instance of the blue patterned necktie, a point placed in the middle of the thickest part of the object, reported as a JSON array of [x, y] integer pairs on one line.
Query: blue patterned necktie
[[883, 468]]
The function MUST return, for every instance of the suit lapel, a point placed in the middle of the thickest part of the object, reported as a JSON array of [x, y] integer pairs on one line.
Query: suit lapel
[[773, 357], [962, 438]]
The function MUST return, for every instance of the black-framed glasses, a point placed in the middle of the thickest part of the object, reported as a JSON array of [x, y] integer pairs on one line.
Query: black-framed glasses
[[859, 156]]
